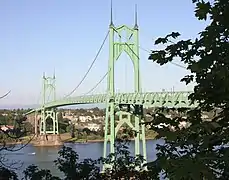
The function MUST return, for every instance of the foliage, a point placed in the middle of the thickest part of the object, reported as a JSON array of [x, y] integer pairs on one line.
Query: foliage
[[68, 163], [19, 130], [63, 124], [124, 166], [88, 112], [28, 127], [72, 130], [6, 174], [33, 173], [199, 151], [13, 136], [87, 131]]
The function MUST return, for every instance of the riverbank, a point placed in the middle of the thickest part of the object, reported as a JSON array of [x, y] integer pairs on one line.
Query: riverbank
[[65, 138], [23, 141], [96, 140], [75, 140]]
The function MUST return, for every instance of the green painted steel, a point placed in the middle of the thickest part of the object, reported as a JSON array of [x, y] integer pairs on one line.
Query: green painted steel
[[48, 114], [177, 99], [129, 113], [121, 108]]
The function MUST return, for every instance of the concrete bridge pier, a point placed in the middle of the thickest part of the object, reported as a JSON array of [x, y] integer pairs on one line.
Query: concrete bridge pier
[[47, 136], [48, 140]]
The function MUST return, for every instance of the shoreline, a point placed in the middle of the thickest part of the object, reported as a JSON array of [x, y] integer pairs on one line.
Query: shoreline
[[65, 138], [98, 140], [65, 141]]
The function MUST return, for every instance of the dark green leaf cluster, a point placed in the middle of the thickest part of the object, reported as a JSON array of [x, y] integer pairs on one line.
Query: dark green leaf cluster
[[6, 174], [68, 163], [21, 128], [33, 173], [199, 151]]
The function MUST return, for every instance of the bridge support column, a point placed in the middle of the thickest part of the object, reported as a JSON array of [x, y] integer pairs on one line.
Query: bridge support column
[[118, 115], [139, 128], [51, 116], [48, 126], [123, 39], [132, 115], [109, 134], [35, 124], [49, 130]]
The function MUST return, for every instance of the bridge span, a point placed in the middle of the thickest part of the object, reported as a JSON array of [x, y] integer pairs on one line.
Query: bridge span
[[127, 106], [177, 99]]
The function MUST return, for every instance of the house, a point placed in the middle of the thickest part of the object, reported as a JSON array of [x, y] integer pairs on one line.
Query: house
[[6, 128], [93, 126], [82, 118]]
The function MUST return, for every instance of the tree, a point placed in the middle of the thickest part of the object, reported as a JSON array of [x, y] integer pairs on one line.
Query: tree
[[13, 136], [199, 151], [29, 128], [64, 124], [33, 173], [87, 131], [6, 174], [72, 130]]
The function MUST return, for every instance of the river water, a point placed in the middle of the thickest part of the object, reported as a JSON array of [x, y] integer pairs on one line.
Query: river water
[[43, 157]]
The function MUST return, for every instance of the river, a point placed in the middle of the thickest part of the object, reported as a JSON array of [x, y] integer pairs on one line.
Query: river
[[43, 157]]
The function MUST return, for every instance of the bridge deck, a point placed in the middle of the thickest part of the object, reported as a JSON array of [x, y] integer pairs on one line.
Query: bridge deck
[[150, 99]]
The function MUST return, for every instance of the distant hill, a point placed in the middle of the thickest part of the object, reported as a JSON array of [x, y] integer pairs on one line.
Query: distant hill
[[20, 106], [16, 106]]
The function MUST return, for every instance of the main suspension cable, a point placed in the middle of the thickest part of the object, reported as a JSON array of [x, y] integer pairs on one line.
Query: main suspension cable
[[93, 62], [100, 81], [170, 61], [39, 103]]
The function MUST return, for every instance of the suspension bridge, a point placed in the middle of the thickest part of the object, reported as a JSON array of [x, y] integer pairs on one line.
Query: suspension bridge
[[127, 106]]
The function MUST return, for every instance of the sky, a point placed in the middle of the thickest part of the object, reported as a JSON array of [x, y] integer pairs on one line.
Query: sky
[[64, 36]]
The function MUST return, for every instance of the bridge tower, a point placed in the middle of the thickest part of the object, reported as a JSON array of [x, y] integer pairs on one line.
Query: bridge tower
[[48, 94], [131, 114]]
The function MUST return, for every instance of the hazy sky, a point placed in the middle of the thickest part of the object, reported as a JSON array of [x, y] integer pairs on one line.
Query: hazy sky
[[40, 36]]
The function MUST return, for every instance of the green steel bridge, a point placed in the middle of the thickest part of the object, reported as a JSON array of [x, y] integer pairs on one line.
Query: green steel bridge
[[127, 106], [177, 99]]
